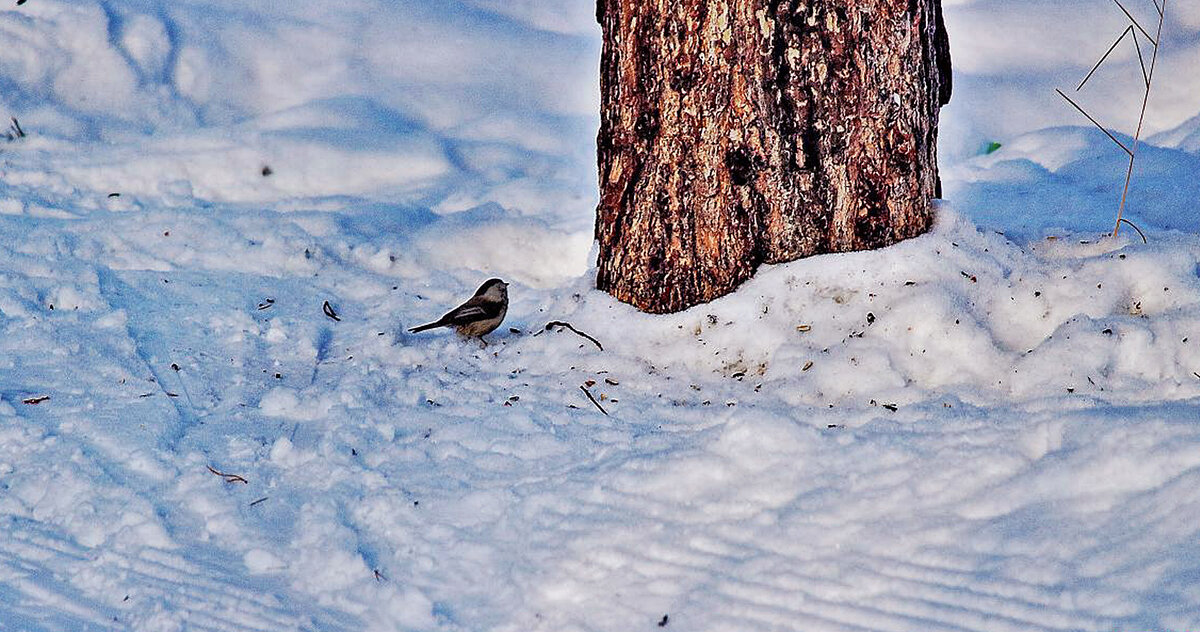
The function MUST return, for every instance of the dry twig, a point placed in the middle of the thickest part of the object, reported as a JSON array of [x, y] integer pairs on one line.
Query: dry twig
[[559, 323]]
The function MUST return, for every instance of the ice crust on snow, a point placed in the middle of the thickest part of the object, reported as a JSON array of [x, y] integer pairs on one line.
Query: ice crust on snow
[[989, 427]]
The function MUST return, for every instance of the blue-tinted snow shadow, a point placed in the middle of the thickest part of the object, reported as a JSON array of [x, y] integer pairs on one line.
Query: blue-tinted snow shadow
[[1072, 179]]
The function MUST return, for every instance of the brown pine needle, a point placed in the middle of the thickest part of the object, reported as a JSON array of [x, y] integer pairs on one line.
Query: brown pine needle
[[229, 478], [328, 309], [593, 399]]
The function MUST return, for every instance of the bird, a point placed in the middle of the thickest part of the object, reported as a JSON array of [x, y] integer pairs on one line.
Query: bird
[[479, 315]]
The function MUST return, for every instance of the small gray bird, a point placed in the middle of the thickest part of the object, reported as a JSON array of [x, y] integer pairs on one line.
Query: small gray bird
[[480, 315]]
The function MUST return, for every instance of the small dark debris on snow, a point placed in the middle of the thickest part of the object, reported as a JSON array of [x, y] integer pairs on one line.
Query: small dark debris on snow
[[870, 318], [33, 401], [259, 501], [174, 367], [807, 365], [662, 623], [170, 394], [266, 304], [513, 330], [891, 407], [611, 382], [972, 277], [379, 577], [328, 309], [114, 195], [1196, 374], [909, 283], [14, 129], [267, 170], [1107, 332]]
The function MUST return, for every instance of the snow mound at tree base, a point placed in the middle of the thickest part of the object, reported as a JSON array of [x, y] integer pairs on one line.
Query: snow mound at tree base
[[990, 435]]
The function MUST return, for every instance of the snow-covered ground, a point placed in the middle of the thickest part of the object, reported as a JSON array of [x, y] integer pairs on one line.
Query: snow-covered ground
[[990, 427]]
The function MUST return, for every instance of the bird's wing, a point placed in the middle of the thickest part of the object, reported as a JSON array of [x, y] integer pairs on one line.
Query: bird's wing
[[473, 310]]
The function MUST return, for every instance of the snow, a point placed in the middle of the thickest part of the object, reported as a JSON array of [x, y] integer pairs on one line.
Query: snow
[[989, 427]]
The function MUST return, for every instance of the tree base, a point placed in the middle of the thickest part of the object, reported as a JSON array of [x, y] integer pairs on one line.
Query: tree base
[[740, 132]]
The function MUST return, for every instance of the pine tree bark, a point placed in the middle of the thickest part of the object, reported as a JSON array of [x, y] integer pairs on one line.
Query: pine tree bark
[[740, 132]]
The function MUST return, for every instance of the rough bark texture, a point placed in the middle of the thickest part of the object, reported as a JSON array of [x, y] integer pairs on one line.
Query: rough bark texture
[[741, 132]]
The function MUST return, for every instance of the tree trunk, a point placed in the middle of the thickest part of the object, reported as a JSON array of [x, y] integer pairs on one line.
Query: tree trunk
[[741, 132]]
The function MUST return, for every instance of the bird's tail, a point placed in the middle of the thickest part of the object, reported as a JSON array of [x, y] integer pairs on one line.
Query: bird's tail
[[432, 325]]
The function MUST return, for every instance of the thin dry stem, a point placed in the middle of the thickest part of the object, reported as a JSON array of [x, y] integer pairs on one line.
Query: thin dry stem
[[1141, 118], [1147, 78]]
